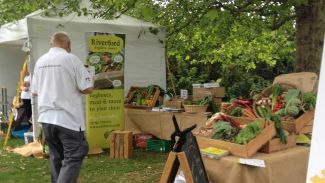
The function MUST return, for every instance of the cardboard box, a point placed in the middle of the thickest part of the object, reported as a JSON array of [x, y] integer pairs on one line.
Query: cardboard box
[[217, 92], [196, 85], [275, 144], [247, 150], [210, 85], [173, 104], [298, 124], [217, 99]]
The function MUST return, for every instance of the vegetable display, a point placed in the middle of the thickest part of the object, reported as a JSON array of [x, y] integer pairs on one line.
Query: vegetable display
[[223, 130], [221, 127], [142, 96], [248, 133], [203, 101], [309, 101], [240, 107], [278, 128], [286, 103]]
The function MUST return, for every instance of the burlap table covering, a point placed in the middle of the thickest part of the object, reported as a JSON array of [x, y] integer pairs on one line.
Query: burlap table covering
[[288, 166], [160, 124]]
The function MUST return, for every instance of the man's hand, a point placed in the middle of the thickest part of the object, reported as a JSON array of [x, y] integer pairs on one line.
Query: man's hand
[[88, 91]]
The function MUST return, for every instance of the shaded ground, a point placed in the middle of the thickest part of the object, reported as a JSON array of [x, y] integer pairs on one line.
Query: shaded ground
[[143, 167]]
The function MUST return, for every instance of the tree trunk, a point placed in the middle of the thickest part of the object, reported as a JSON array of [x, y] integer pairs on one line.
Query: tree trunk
[[310, 36]]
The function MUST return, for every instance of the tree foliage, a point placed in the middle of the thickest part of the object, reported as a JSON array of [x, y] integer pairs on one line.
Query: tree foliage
[[232, 41]]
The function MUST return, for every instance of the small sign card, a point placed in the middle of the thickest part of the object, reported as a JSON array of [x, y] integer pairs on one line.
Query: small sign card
[[184, 94], [252, 162]]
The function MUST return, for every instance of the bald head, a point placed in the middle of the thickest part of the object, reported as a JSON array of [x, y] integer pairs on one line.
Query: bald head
[[61, 40]]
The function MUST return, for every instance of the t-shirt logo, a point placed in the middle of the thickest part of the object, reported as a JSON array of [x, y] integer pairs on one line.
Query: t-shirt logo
[[88, 79]]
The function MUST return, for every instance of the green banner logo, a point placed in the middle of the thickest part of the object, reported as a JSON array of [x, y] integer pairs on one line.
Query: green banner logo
[[105, 43]]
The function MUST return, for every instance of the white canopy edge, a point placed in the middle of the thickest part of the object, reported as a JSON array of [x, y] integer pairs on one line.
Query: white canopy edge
[[17, 32]]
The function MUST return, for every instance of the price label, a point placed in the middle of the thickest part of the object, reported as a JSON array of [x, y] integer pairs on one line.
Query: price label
[[184, 94], [252, 162]]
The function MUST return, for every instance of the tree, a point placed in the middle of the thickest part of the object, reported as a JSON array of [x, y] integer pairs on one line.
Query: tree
[[178, 17], [310, 35], [258, 37]]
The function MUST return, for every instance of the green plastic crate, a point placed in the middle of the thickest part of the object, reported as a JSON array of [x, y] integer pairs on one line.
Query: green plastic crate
[[155, 145]]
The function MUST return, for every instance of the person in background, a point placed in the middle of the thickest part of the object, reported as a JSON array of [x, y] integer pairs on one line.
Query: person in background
[[24, 106], [26, 96], [60, 80]]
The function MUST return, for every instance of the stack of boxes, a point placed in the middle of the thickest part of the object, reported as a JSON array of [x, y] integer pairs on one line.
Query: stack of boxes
[[209, 89]]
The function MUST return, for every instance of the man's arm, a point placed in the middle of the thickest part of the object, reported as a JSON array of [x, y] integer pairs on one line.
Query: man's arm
[[87, 91]]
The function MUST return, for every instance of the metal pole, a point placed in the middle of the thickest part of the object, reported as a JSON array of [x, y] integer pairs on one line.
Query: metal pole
[[5, 103]]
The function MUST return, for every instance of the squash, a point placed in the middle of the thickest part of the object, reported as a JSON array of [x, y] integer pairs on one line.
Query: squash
[[292, 111]]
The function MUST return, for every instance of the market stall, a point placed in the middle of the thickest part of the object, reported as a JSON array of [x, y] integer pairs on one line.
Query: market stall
[[256, 139], [287, 166]]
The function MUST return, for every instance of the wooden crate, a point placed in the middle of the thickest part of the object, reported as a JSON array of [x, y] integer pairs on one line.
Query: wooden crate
[[217, 92], [308, 128], [246, 150], [275, 144], [130, 95], [121, 145], [301, 125], [298, 124]]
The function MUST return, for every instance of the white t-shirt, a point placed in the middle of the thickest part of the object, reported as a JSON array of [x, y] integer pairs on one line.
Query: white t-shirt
[[59, 77], [26, 94]]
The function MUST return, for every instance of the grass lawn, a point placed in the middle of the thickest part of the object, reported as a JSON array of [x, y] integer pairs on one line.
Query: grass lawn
[[143, 167]]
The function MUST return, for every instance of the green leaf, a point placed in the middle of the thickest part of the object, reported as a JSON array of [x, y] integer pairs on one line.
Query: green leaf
[[213, 14], [147, 12]]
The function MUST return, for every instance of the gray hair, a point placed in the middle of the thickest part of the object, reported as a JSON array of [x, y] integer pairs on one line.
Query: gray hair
[[60, 38]]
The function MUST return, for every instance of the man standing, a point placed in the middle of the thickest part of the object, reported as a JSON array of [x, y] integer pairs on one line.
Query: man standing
[[60, 80]]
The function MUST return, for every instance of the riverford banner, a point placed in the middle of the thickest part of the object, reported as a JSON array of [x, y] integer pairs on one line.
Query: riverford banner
[[105, 106], [316, 165]]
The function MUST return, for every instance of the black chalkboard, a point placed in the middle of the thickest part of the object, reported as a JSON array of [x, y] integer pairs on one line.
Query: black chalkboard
[[193, 156]]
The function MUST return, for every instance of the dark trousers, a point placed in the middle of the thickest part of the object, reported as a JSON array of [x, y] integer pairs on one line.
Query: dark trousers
[[67, 149], [24, 113], [28, 107]]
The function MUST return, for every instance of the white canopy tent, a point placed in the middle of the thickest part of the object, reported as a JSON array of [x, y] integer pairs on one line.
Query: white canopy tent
[[144, 55], [144, 51], [12, 37]]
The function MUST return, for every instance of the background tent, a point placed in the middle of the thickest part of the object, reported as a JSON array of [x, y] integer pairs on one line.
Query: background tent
[[12, 37], [144, 51]]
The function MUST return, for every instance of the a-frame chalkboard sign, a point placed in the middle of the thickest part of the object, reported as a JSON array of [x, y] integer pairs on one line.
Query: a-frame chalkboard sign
[[186, 155]]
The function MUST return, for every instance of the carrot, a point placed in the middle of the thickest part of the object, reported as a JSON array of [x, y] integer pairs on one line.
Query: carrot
[[248, 112], [232, 122]]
